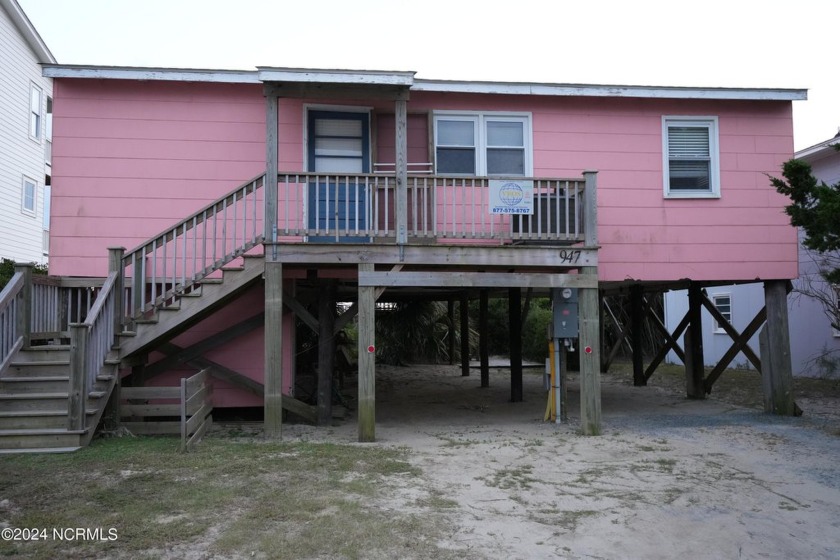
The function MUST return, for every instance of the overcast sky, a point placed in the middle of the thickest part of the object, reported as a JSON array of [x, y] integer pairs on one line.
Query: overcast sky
[[715, 43]]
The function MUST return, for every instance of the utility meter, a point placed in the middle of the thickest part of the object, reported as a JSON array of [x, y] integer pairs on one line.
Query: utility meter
[[564, 302]]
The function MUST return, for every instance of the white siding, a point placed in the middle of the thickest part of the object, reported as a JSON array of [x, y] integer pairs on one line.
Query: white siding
[[21, 234]]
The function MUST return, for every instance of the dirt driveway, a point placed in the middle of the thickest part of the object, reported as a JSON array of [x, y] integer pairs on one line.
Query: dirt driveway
[[670, 478]]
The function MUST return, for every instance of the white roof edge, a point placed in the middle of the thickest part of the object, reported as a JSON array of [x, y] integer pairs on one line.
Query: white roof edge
[[817, 150], [662, 92], [164, 74], [28, 31], [307, 75], [398, 78]]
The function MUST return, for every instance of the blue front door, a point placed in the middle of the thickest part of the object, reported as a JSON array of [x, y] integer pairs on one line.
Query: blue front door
[[338, 144]]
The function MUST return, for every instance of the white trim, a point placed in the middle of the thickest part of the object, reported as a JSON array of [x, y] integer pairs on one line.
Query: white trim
[[480, 119], [151, 74], [576, 90], [400, 78], [714, 153], [23, 209], [28, 31], [818, 151], [307, 75]]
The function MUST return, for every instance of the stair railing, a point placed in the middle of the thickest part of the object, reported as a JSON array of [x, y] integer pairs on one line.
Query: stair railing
[[13, 315], [90, 344], [175, 262]]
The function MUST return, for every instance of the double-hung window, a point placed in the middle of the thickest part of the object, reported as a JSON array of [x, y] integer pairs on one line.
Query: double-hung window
[[35, 112], [691, 160], [27, 198], [482, 144]]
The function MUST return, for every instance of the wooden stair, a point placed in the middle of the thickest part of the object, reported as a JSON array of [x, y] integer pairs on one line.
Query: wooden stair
[[192, 307], [34, 395]]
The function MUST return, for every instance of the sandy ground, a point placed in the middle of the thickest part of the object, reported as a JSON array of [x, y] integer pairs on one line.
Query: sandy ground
[[670, 478]]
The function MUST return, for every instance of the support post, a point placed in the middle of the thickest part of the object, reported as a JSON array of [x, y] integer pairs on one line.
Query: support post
[[115, 264], [24, 317], [326, 351], [515, 322], [78, 391], [401, 165], [484, 337], [271, 110], [637, 293], [273, 397], [589, 346], [367, 360], [694, 365], [465, 334], [776, 371], [450, 314]]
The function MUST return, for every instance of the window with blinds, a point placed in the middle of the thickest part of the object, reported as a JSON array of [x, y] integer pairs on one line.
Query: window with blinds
[[690, 157]]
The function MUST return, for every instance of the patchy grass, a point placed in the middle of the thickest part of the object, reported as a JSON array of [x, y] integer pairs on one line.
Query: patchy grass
[[225, 499], [741, 387]]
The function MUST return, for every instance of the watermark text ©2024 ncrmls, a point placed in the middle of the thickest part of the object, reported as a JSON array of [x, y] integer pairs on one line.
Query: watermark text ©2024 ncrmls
[[59, 534]]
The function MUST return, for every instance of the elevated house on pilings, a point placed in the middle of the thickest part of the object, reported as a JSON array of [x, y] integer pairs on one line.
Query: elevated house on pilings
[[252, 199]]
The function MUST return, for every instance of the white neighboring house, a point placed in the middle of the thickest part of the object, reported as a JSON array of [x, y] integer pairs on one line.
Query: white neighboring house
[[815, 345], [25, 138]]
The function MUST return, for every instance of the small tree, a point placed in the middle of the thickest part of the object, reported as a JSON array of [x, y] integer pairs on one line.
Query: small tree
[[815, 207]]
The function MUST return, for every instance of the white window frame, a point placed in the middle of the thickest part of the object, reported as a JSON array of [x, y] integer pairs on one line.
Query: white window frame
[[714, 297], [23, 208], [36, 115], [480, 120], [709, 122]]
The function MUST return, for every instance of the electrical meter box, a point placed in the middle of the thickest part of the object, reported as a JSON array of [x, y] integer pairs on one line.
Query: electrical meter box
[[564, 303]]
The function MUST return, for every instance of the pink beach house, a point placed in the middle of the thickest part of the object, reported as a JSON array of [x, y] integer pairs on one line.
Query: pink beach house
[[204, 211]]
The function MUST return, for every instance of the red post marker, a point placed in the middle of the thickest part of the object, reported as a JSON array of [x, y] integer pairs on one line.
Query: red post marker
[[588, 349], [371, 349]]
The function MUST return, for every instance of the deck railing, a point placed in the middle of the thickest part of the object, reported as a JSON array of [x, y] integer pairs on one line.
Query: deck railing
[[331, 207], [321, 208]]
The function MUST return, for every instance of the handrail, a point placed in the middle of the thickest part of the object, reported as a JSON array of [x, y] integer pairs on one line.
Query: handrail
[[175, 261], [11, 325], [90, 344]]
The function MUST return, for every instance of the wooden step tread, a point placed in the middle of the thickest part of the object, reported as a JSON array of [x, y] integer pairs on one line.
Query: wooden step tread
[[32, 396], [25, 413], [35, 378], [41, 363], [42, 432], [39, 450]]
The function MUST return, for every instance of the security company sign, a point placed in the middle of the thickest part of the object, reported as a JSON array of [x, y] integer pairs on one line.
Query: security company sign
[[511, 196]]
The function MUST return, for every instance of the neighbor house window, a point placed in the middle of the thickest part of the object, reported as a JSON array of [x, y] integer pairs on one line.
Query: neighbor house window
[[482, 144], [27, 199], [691, 162], [35, 114], [723, 303]]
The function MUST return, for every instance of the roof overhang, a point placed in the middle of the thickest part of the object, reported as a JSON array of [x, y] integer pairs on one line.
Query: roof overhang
[[819, 151], [584, 90], [405, 80], [28, 31]]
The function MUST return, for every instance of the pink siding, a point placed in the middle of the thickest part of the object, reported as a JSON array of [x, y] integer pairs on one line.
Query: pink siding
[[132, 158]]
